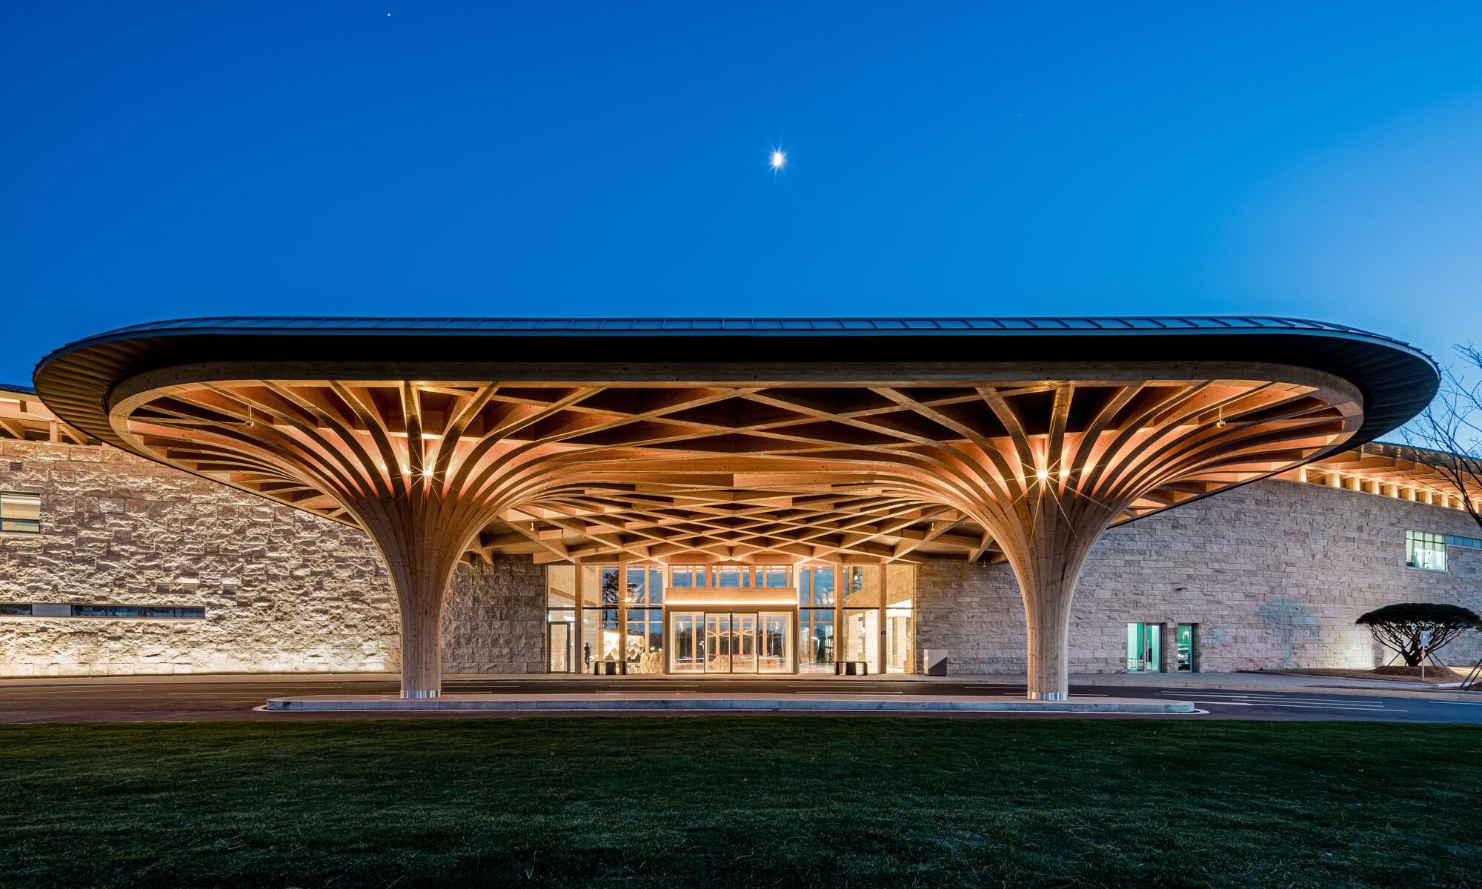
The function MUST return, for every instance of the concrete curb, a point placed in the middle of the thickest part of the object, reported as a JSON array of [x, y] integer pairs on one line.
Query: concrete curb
[[851, 703]]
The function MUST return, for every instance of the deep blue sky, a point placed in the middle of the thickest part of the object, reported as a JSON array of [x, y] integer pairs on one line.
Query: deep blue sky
[[180, 159]]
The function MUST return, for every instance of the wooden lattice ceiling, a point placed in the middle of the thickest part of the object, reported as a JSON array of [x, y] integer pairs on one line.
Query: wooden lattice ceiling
[[767, 473]]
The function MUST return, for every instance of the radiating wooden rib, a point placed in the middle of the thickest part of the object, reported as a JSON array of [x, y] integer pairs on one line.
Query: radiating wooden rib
[[1005, 479]]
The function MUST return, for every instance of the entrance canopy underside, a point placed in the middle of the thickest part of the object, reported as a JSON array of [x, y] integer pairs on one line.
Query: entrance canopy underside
[[704, 472], [736, 441]]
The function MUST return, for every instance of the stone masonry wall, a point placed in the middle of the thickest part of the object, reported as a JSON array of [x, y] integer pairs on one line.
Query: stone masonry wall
[[284, 591], [494, 619], [1274, 573]]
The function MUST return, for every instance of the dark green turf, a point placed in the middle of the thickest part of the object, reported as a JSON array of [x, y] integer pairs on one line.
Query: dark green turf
[[740, 802]]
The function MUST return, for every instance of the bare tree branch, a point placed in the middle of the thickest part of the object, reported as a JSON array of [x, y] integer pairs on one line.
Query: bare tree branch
[[1451, 429]]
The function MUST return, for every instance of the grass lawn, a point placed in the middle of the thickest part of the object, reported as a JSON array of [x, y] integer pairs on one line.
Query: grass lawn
[[740, 801]]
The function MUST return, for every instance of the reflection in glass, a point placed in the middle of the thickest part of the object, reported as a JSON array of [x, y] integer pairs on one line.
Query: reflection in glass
[[717, 643], [861, 636], [599, 636], [816, 586], [774, 657], [730, 642], [1185, 640], [898, 641], [561, 625], [645, 644], [816, 640], [688, 643], [1144, 648], [731, 577], [20, 513]]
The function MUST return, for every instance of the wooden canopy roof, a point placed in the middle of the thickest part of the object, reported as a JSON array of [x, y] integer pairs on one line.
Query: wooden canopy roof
[[753, 440]]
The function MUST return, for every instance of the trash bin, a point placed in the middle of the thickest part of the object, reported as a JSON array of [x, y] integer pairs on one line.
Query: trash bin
[[934, 661]]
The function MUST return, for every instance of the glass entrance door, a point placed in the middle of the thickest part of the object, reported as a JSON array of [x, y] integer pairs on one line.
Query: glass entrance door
[[730, 642], [774, 655], [561, 637], [743, 643], [718, 643], [1144, 648], [687, 642], [1185, 640]]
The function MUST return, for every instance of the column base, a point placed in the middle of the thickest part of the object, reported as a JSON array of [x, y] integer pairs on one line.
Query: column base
[[419, 693], [1048, 696]]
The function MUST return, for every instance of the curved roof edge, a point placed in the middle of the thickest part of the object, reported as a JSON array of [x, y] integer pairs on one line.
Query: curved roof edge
[[1396, 380], [724, 325]]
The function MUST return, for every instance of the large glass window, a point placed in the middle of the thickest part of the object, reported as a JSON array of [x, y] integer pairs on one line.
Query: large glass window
[[20, 513], [601, 626], [816, 640], [862, 628], [772, 643], [1424, 549], [816, 585], [560, 586], [645, 585], [561, 619], [900, 600], [600, 636], [645, 643]]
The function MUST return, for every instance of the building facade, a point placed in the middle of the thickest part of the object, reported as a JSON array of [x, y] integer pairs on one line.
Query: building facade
[[115, 565]]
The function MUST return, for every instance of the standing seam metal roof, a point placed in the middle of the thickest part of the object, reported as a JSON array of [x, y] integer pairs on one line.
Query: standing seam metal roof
[[1396, 379], [696, 325]]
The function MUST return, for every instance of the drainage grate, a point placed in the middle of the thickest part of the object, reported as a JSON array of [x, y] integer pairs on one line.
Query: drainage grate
[[15, 467]]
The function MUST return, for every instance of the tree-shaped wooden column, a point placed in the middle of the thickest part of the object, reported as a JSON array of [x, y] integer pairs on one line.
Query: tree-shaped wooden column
[[415, 465], [1108, 454]]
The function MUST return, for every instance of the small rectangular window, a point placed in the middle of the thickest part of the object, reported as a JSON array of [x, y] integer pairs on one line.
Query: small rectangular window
[[125, 612], [772, 578], [687, 577], [20, 513], [15, 610], [732, 577], [1426, 550]]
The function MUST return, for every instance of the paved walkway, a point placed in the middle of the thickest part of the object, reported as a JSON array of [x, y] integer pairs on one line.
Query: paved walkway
[[1228, 696], [1241, 681], [752, 700]]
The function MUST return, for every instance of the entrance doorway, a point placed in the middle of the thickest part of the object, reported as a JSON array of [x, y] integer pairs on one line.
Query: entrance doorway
[[559, 643], [1184, 636], [730, 642], [1144, 648]]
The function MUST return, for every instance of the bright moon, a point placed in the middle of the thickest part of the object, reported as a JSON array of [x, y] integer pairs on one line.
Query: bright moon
[[779, 159]]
